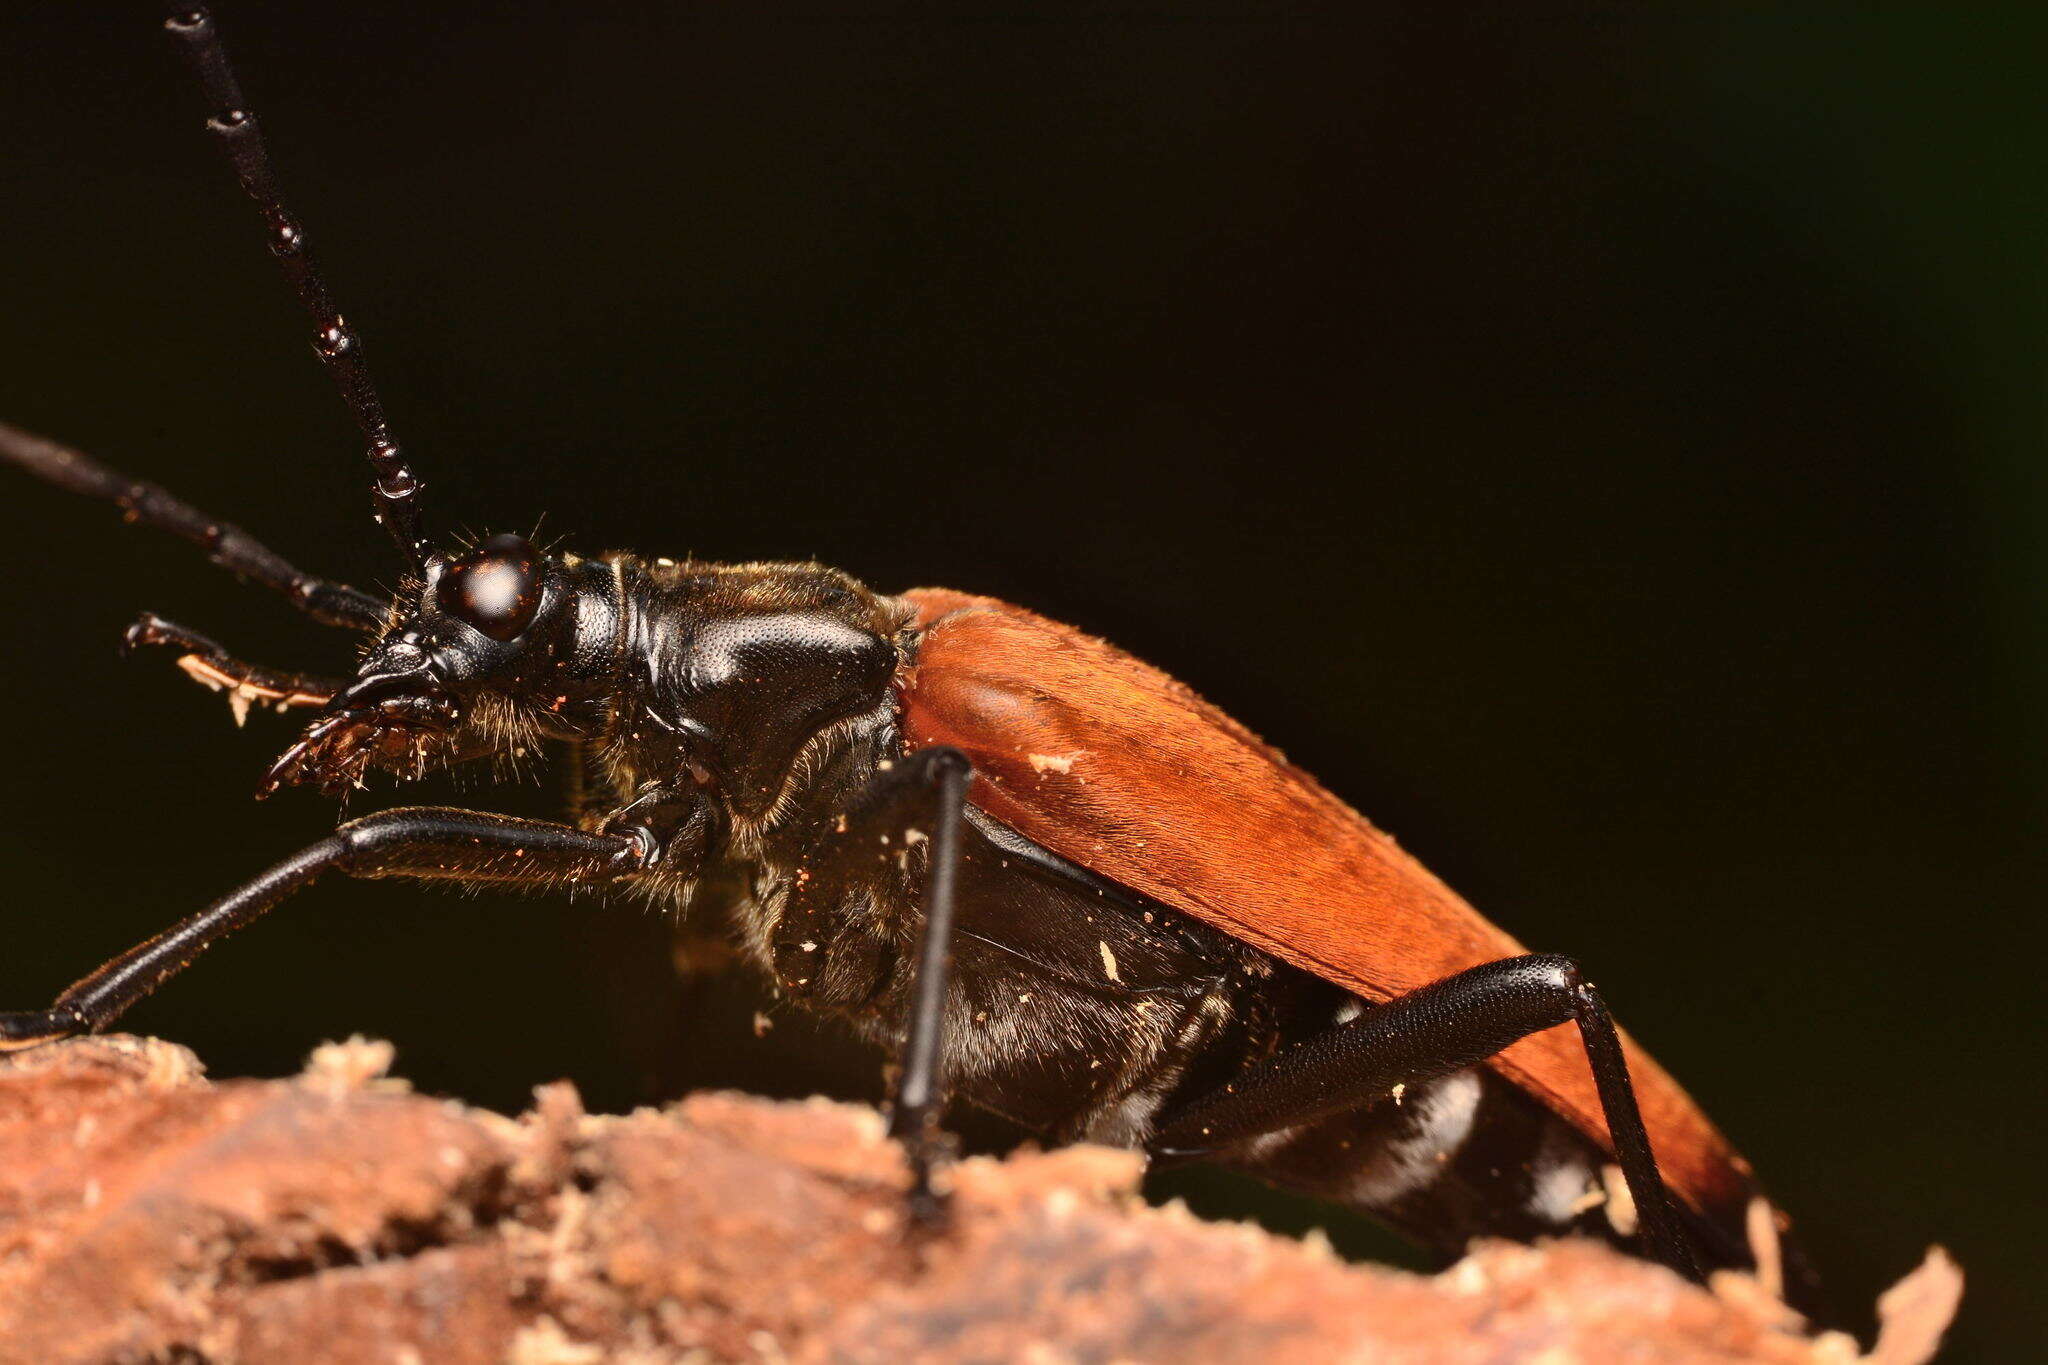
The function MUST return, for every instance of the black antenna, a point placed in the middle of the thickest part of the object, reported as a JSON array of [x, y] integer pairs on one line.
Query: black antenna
[[231, 121]]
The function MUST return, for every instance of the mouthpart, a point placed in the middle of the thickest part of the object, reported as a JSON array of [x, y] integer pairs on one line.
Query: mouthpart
[[377, 723]]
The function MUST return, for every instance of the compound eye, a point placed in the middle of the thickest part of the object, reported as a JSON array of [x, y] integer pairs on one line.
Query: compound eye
[[495, 588]]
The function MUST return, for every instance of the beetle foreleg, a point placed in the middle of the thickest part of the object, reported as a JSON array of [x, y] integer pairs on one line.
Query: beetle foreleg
[[1426, 1034], [245, 684], [674, 824], [419, 841]]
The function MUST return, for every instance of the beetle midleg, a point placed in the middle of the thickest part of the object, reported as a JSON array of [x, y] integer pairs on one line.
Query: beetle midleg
[[920, 798], [1430, 1033], [418, 841], [245, 684], [920, 1088], [333, 604]]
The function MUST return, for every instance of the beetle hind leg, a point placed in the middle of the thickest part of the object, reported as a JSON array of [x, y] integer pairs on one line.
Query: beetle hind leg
[[1424, 1036]]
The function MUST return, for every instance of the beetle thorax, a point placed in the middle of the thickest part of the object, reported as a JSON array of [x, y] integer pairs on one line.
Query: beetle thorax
[[744, 687]]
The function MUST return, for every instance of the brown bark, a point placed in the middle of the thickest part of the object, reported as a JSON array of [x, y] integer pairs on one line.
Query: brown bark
[[147, 1214]]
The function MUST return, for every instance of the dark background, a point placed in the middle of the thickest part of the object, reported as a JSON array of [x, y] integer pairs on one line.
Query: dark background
[[1608, 451]]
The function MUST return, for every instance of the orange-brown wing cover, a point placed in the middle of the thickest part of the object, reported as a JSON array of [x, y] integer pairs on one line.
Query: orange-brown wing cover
[[1115, 766]]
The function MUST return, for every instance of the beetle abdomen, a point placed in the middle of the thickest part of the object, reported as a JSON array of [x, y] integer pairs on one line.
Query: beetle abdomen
[[1119, 768], [1083, 1010]]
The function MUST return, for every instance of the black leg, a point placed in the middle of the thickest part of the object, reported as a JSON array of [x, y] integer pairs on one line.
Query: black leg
[[920, 1087], [234, 126], [921, 795], [1428, 1033], [420, 841], [672, 823], [334, 604], [207, 664]]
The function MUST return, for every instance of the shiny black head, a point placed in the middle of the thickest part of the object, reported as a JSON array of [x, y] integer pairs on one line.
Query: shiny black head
[[487, 649]]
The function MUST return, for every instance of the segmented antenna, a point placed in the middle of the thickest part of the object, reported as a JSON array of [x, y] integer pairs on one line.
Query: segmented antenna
[[230, 120]]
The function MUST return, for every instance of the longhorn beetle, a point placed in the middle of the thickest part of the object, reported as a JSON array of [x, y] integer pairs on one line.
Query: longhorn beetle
[[1055, 881]]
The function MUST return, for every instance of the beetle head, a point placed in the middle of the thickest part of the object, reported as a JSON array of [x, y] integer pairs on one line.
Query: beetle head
[[480, 658]]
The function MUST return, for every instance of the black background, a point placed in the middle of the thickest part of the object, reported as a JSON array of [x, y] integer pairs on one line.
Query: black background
[[1605, 450]]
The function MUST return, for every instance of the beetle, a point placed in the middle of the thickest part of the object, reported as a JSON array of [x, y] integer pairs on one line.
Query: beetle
[[1054, 880]]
